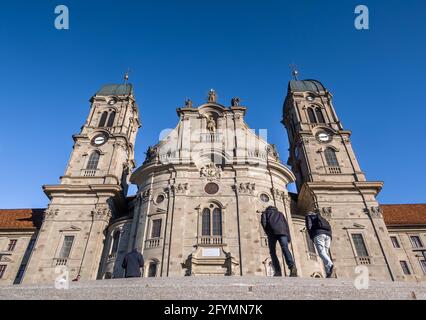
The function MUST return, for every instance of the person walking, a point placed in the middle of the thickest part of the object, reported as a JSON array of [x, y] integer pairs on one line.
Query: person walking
[[132, 264], [276, 228], [319, 231]]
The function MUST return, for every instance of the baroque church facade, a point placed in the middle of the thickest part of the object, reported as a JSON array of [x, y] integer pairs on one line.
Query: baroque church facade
[[201, 191]]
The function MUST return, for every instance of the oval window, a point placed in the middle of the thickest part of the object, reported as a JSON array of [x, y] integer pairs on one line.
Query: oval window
[[160, 198], [264, 197], [211, 188]]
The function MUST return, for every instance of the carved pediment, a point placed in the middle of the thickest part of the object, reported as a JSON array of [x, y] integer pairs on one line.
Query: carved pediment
[[357, 225], [70, 229]]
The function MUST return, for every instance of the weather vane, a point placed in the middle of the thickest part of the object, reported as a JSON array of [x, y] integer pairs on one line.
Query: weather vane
[[126, 76], [294, 71]]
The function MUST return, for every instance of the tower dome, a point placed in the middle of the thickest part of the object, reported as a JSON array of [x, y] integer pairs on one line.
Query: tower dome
[[306, 85], [116, 90]]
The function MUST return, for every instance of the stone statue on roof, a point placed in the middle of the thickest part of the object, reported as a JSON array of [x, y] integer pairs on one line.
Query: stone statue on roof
[[212, 96], [150, 153], [235, 102], [188, 103]]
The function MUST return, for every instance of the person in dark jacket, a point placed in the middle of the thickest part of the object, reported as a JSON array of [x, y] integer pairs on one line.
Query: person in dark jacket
[[276, 228], [319, 231], [132, 264]]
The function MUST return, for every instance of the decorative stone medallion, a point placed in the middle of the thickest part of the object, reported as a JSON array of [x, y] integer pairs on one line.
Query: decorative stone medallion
[[211, 172]]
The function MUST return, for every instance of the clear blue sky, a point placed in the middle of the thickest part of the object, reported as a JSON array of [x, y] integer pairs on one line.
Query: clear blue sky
[[182, 48]]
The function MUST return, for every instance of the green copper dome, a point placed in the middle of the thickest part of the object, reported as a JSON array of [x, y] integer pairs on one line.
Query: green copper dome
[[115, 90], [305, 85]]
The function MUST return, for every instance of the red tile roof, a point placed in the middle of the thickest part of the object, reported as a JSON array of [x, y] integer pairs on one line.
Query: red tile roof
[[393, 214], [21, 218], [404, 214]]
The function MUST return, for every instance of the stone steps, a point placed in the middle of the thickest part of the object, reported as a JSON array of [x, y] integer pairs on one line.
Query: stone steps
[[219, 288]]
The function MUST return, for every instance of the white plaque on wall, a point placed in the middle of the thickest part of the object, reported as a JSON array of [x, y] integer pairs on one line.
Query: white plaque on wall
[[211, 252]]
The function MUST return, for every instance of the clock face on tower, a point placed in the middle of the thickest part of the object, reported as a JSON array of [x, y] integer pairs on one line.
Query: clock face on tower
[[99, 140], [323, 137]]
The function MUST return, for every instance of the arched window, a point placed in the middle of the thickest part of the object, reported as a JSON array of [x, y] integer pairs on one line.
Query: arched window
[[330, 157], [103, 119], [111, 119], [320, 116], [311, 116], [115, 241], [211, 221], [93, 161], [152, 269], [217, 222], [205, 221]]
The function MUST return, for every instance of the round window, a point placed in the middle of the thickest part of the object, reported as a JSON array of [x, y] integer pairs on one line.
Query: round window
[[211, 188], [160, 198], [264, 197], [99, 140]]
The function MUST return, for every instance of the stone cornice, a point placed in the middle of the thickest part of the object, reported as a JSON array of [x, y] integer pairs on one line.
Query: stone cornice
[[361, 185], [120, 98], [90, 178], [406, 227], [111, 189], [87, 136]]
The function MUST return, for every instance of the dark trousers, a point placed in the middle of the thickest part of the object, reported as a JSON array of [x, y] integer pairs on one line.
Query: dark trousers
[[272, 242]]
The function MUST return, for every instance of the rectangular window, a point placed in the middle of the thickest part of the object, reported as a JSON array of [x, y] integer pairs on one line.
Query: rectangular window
[[217, 222], [423, 265], [395, 242], [205, 221], [404, 266], [310, 244], [416, 242], [2, 270], [12, 245], [361, 249], [156, 228], [66, 247]]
